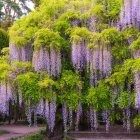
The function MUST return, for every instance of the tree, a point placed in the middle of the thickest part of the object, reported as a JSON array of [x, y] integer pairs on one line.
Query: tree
[[47, 88], [10, 10], [5, 83], [36, 2], [85, 31], [99, 99], [4, 39], [70, 86], [28, 85]]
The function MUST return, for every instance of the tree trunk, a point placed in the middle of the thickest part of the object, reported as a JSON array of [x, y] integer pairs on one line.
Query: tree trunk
[[10, 112]]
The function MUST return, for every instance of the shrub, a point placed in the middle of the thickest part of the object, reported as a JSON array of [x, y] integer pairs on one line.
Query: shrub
[[4, 39], [136, 121]]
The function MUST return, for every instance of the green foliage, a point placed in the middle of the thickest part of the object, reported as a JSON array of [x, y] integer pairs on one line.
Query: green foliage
[[99, 97], [71, 99], [120, 52], [5, 51], [4, 39], [69, 15], [135, 45], [80, 4], [22, 67], [5, 69], [4, 57], [2, 132], [20, 41], [130, 33], [28, 84], [117, 78], [132, 65], [57, 23], [98, 10], [70, 80], [46, 83], [68, 85], [94, 40], [136, 121], [109, 36], [52, 8], [105, 12], [47, 87], [24, 29], [35, 136], [37, 2], [41, 120], [62, 26], [108, 9], [78, 34], [52, 17], [47, 38], [125, 99]]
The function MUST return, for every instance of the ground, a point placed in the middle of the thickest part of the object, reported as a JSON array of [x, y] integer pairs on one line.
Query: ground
[[17, 131], [103, 139], [116, 133]]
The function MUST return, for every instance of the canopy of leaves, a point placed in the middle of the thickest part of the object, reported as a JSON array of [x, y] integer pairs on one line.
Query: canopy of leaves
[[99, 97], [4, 39], [136, 121], [11, 10], [5, 67], [78, 34], [56, 19], [135, 45], [47, 38], [126, 99], [28, 84], [22, 67], [47, 86], [105, 11], [57, 23], [69, 86]]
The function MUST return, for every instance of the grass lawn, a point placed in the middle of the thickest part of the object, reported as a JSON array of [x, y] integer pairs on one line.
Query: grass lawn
[[2, 132], [34, 136]]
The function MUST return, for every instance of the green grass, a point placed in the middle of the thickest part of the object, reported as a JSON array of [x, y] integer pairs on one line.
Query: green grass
[[2, 132], [34, 136]]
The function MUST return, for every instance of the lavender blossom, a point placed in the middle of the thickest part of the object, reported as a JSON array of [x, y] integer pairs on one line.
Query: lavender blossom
[[65, 115]]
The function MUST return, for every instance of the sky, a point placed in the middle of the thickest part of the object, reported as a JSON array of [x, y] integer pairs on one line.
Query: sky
[[31, 5]]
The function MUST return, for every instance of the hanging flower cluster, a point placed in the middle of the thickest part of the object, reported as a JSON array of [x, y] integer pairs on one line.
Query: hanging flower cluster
[[87, 30], [5, 96], [45, 61], [47, 56], [136, 54], [130, 13], [20, 53]]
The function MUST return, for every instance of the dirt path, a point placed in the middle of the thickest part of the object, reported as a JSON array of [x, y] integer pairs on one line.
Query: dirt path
[[88, 135], [105, 139], [17, 131]]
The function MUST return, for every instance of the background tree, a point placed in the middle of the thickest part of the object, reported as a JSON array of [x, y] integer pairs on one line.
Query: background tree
[[27, 84], [96, 49], [4, 39], [70, 97], [10, 10], [36, 2]]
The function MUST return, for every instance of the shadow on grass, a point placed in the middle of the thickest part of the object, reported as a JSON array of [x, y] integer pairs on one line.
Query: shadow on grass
[[35, 136], [2, 132]]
